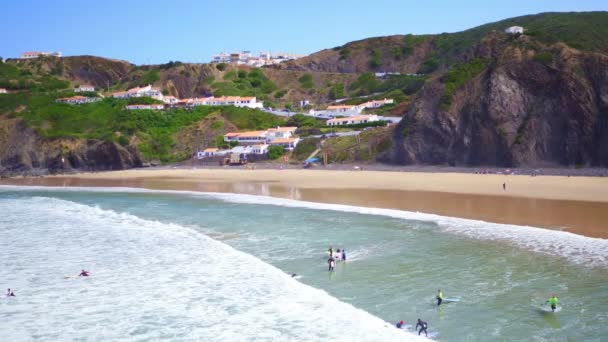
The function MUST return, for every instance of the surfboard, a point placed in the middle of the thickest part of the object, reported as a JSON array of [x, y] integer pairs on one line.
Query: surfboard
[[433, 334], [451, 300], [71, 276]]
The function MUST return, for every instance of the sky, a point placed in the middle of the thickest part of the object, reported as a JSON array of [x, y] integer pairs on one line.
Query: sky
[[153, 32]]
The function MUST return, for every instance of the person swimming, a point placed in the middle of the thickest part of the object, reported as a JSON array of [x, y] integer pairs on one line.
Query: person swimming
[[10, 293], [399, 324], [439, 297], [423, 326], [84, 273], [553, 301]]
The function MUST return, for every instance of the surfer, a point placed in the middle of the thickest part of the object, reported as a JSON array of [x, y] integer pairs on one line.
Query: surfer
[[332, 263], [343, 255], [84, 273], [439, 297], [400, 324], [553, 301], [423, 325], [10, 293], [293, 275], [331, 251]]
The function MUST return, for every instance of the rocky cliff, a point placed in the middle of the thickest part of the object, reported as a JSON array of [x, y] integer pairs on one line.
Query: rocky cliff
[[24, 152]]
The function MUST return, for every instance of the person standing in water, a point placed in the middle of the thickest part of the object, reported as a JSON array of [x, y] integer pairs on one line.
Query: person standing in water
[[331, 251], [423, 325], [332, 263], [439, 297], [10, 293], [553, 301], [343, 254]]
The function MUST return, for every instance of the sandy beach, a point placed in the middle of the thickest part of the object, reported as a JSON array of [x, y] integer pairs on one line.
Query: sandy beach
[[575, 204]]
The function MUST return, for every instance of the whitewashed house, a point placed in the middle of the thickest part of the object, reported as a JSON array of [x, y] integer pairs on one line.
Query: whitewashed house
[[260, 149], [38, 54], [280, 132], [3, 91], [251, 137], [352, 120], [515, 30], [78, 100], [147, 91], [170, 100], [287, 143], [377, 103], [84, 88], [145, 106]]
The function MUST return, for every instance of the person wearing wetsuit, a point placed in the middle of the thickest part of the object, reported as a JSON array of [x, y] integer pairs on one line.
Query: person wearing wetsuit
[[331, 251], [10, 293], [343, 255], [439, 297], [399, 324], [423, 325], [553, 301], [84, 273]]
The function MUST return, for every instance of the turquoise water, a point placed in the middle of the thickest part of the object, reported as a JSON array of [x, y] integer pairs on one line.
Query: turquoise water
[[220, 262]]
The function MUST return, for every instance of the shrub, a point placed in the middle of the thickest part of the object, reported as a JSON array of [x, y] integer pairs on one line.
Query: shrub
[[275, 152], [375, 59], [458, 76], [280, 94], [150, 77], [221, 66], [429, 65], [336, 91], [306, 81]]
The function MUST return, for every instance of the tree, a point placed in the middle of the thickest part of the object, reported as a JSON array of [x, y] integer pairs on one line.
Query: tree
[[221, 66], [336, 91]]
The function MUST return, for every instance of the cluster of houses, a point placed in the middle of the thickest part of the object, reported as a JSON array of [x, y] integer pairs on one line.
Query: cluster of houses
[[38, 54], [350, 110], [168, 101], [254, 142], [247, 58]]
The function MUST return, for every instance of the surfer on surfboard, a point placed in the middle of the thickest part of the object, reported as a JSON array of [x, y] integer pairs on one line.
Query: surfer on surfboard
[[423, 326], [84, 273]]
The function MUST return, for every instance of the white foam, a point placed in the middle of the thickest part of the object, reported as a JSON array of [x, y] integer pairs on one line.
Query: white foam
[[576, 248], [152, 280]]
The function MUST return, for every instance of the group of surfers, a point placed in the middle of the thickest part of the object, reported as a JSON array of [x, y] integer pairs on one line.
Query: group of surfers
[[553, 300], [83, 273], [339, 255]]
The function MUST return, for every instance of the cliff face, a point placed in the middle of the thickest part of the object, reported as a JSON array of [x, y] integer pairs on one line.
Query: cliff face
[[22, 151], [520, 110]]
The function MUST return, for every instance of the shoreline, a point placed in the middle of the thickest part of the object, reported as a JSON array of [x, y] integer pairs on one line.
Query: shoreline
[[574, 204]]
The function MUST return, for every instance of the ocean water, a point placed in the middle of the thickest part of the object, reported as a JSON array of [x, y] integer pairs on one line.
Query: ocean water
[[216, 267]]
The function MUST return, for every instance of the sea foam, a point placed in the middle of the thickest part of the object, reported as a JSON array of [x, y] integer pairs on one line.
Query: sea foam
[[152, 280]]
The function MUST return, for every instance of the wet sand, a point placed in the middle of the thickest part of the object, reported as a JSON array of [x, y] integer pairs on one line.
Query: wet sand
[[574, 204]]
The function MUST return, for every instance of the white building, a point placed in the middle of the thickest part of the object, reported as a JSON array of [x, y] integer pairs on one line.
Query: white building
[[515, 30], [247, 58], [145, 106], [287, 143], [3, 91], [78, 99], [147, 91], [259, 149], [352, 120], [377, 103], [37, 54], [280, 132], [84, 88], [170, 100], [238, 101], [251, 137]]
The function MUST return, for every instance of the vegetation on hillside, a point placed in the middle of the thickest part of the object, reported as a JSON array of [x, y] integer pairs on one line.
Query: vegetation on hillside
[[108, 120], [458, 76], [243, 83]]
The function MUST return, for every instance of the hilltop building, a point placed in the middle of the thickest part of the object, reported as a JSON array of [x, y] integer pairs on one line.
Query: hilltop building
[[352, 120], [84, 88], [515, 30], [145, 106], [38, 54], [247, 58], [146, 91], [77, 100]]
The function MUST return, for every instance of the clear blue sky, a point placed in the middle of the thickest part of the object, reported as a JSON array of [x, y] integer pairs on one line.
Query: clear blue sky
[[152, 31]]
